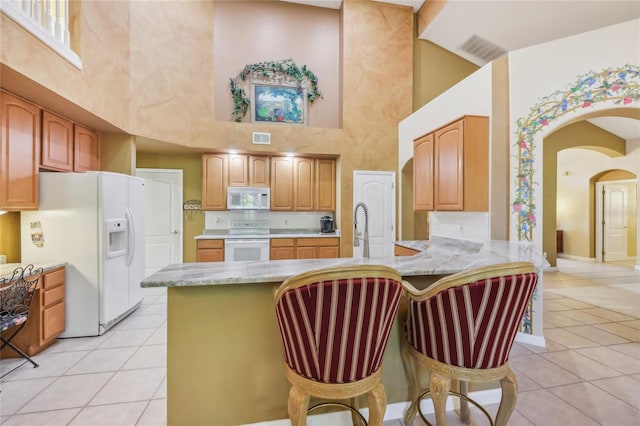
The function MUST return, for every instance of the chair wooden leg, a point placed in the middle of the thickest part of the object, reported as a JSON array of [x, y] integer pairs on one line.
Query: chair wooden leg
[[298, 405], [509, 397], [411, 372], [439, 387], [465, 415], [377, 400]]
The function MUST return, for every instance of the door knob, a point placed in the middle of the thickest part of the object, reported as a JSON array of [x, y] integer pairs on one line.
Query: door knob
[[174, 232]]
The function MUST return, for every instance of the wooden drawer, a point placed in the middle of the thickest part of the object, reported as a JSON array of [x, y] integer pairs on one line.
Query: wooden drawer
[[317, 242], [53, 321], [281, 242], [53, 296], [210, 244], [210, 255], [53, 278]]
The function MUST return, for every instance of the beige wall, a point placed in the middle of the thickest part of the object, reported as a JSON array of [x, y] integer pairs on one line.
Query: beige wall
[[10, 236], [579, 241], [436, 69], [308, 35], [191, 165]]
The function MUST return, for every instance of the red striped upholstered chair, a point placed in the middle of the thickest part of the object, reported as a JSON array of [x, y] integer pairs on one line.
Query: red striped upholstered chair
[[335, 324], [462, 328]]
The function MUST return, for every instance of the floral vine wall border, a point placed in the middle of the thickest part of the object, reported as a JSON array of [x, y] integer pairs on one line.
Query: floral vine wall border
[[284, 70], [619, 85]]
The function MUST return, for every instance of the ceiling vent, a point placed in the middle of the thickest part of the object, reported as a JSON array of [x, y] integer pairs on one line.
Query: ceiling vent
[[482, 48], [261, 138]]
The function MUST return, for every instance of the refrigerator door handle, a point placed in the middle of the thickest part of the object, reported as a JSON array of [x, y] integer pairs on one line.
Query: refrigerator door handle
[[132, 236]]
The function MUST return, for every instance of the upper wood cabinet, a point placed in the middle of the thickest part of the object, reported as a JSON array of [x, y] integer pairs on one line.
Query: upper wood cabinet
[[297, 183], [423, 173], [282, 183], [86, 146], [303, 184], [214, 181], [19, 153], [57, 143], [326, 184], [259, 171], [238, 170], [248, 170], [460, 155]]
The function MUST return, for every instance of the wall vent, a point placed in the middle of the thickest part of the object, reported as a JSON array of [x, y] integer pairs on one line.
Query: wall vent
[[261, 138], [482, 48]]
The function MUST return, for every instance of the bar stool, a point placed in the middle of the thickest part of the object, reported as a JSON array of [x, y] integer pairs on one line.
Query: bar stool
[[462, 328], [335, 325]]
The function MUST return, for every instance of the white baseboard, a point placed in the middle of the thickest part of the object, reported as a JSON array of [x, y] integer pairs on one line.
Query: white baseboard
[[530, 339], [572, 257]]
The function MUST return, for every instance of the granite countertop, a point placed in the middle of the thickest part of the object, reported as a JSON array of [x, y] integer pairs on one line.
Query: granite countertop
[[6, 269], [213, 234], [437, 256]]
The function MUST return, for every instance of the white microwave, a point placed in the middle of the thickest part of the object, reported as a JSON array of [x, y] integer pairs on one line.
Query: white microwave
[[247, 198]]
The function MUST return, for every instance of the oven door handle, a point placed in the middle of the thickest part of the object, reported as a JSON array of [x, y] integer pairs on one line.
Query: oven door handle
[[246, 241]]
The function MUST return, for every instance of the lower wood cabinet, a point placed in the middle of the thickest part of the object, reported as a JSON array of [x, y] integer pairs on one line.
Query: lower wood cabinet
[[46, 316], [282, 248], [304, 248], [210, 251]]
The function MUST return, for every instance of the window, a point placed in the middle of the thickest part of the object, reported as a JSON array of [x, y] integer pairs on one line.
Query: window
[[48, 20]]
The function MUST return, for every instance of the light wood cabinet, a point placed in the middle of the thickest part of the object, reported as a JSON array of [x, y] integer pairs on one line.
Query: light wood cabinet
[[423, 173], [57, 143], [326, 184], [282, 248], [19, 153], [259, 171], [281, 183], [210, 251], [46, 316], [304, 248], [317, 248], [460, 156], [86, 149], [303, 184], [403, 251], [238, 170], [214, 181]]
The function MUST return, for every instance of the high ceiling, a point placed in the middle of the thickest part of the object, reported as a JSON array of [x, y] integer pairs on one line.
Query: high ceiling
[[509, 25]]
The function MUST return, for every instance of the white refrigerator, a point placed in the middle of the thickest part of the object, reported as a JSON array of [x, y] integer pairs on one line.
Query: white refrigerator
[[94, 221]]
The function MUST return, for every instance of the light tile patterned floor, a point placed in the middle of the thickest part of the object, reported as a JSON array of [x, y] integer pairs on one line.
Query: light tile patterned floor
[[588, 374]]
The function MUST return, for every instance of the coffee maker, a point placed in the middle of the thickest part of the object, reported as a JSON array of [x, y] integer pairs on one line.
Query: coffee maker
[[326, 225]]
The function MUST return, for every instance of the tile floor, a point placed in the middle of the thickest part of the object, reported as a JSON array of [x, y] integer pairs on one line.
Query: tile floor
[[588, 374]]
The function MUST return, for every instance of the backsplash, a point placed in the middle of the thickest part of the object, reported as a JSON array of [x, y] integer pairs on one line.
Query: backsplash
[[216, 220], [472, 226]]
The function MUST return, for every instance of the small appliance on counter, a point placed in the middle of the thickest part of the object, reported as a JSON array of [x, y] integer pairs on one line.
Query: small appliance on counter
[[326, 225]]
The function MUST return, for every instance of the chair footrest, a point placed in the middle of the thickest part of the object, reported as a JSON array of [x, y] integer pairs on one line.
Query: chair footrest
[[459, 395]]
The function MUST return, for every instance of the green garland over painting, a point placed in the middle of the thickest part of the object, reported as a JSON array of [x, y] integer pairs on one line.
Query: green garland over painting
[[271, 70]]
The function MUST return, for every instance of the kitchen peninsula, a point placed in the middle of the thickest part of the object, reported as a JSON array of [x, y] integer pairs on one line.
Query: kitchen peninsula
[[224, 355]]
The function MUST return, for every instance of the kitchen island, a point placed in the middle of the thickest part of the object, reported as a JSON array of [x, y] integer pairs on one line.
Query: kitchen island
[[224, 354]]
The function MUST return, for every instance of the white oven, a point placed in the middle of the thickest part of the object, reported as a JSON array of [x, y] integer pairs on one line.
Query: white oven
[[247, 240], [246, 249]]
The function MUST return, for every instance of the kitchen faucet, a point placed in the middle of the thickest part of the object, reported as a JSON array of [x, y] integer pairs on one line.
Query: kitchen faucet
[[356, 242]]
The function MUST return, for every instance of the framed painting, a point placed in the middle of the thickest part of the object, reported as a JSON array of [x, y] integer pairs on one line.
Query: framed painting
[[278, 104]]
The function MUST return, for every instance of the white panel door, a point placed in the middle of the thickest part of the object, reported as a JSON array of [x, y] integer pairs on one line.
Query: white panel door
[[377, 191], [163, 219], [616, 199]]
